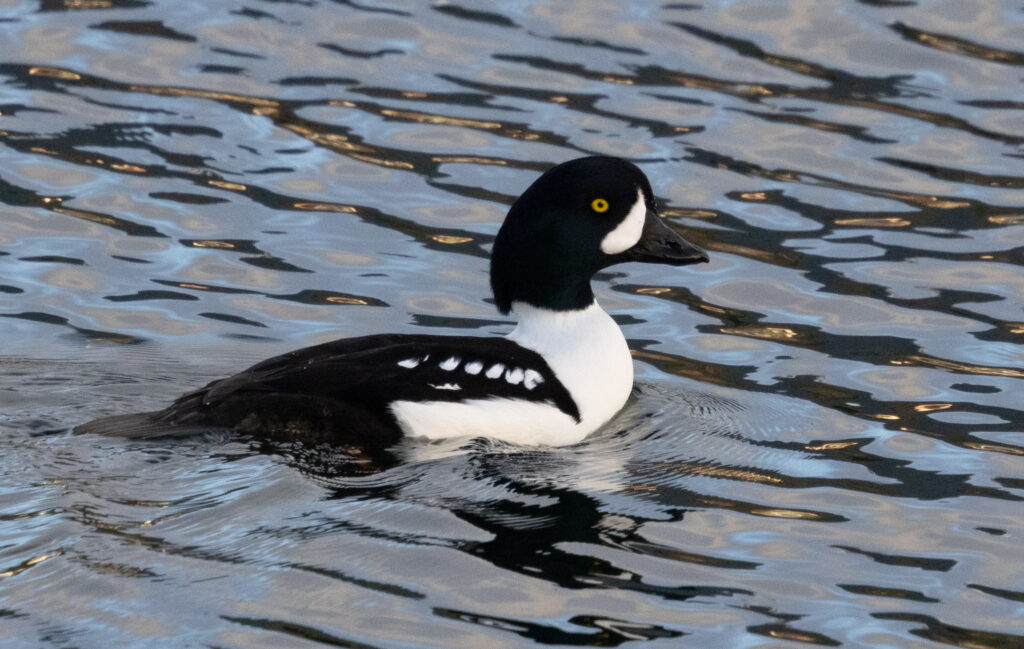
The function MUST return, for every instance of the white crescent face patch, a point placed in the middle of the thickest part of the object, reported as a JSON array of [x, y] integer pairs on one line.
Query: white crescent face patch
[[627, 234]]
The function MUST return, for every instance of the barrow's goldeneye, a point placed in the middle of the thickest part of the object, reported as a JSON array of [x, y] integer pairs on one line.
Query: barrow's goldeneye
[[563, 372]]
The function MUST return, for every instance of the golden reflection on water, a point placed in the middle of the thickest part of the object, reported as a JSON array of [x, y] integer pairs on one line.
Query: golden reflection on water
[[768, 512], [787, 633], [395, 164], [210, 243], [54, 73], [773, 258], [128, 167], [450, 239], [745, 474], [654, 290], [341, 144], [87, 4], [93, 217], [713, 309], [338, 299], [925, 200], [325, 207], [223, 184], [956, 45], [429, 118], [520, 134], [998, 448], [930, 407], [204, 94], [754, 196], [831, 446], [28, 563], [965, 367], [469, 160], [879, 222], [776, 512], [686, 213], [781, 334], [1007, 219]]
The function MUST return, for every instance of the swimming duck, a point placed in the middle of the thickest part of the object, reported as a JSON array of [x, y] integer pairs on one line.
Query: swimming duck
[[557, 377]]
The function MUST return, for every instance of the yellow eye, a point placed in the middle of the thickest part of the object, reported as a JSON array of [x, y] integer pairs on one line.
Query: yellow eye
[[599, 205]]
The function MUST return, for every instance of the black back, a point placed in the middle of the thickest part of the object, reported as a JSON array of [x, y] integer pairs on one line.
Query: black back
[[359, 377]]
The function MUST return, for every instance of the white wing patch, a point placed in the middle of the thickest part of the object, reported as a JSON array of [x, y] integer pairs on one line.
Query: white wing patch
[[627, 234], [515, 377], [532, 379]]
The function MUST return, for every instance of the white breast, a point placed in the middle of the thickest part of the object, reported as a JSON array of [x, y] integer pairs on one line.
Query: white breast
[[588, 354]]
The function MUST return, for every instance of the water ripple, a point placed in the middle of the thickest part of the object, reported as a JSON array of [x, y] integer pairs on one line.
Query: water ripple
[[825, 443]]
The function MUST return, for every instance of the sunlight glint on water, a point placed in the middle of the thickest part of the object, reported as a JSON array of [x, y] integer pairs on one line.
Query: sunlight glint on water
[[825, 446]]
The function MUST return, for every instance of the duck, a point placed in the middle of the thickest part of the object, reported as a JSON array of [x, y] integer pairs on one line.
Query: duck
[[563, 372]]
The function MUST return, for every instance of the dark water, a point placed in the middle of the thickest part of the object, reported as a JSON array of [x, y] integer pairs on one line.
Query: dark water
[[827, 444]]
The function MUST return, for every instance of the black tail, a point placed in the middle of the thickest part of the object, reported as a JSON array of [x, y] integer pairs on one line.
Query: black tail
[[141, 425]]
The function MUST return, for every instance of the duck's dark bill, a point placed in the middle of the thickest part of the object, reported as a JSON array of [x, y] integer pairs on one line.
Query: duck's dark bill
[[660, 244]]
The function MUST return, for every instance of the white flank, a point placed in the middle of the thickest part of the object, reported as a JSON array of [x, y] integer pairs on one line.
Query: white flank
[[409, 363], [474, 367], [450, 364], [627, 234], [495, 371], [510, 420]]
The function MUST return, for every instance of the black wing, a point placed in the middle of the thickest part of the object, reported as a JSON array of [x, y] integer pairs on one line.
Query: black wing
[[342, 389], [377, 370]]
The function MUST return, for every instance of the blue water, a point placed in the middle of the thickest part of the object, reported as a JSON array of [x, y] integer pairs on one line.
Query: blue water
[[825, 446]]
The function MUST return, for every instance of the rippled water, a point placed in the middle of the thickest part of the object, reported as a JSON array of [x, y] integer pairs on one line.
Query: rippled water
[[826, 443]]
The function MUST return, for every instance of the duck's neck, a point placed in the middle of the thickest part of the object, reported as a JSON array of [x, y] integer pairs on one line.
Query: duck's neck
[[548, 330], [587, 352], [541, 275]]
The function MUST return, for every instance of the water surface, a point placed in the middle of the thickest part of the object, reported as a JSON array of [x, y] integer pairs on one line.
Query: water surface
[[824, 447]]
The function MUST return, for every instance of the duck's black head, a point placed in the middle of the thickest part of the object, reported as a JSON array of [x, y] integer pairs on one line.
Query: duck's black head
[[577, 218]]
